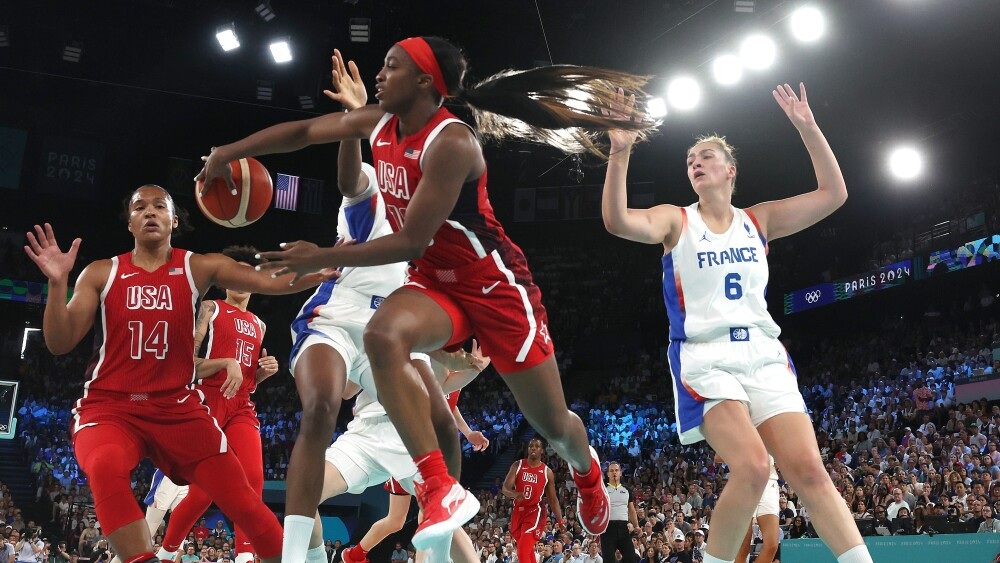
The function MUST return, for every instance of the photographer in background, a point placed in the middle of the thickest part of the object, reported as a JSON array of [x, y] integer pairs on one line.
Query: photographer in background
[[29, 546]]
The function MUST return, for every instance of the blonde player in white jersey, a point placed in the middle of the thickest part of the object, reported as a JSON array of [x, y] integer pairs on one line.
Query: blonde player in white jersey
[[734, 384]]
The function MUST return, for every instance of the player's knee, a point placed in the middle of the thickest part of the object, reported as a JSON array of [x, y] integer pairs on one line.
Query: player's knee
[[383, 341], [110, 461], [319, 410]]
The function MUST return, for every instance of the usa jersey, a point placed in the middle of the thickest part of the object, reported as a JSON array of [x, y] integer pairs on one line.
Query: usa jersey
[[715, 284], [530, 482], [236, 334], [361, 218], [471, 231], [143, 316]]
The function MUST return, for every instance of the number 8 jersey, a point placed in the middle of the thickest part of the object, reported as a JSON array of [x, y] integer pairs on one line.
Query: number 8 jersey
[[715, 284], [142, 316]]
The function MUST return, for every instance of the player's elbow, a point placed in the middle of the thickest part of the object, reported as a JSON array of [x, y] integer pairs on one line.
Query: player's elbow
[[57, 346]]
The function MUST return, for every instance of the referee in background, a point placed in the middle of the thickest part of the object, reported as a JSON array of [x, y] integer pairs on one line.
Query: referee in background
[[622, 512]]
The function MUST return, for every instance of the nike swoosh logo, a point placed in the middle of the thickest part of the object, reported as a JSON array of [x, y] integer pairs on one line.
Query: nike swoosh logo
[[454, 498], [129, 275], [230, 311], [381, 143], [490, 288], [186, 397]]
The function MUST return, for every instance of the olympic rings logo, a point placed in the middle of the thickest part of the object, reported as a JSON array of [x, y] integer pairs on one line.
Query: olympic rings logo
[[813, 296]]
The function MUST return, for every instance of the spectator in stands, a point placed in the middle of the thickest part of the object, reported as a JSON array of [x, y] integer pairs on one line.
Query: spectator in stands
[[989, 524], [88, 539], [190, 554], [593, 553], [7, 553]]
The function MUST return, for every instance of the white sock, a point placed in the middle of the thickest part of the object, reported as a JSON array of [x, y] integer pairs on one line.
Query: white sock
[[163, 554], [857, 554], [706, 558], [244, 557], [316, 555], [298, 530]]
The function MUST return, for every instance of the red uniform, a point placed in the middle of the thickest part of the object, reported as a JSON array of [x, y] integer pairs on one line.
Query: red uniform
[[471, 269], [237, 334], [452, 399], [528, 516], [135, 403], [132, 380]]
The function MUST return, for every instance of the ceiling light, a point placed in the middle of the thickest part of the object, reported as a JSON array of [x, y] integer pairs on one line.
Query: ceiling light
[[281, 50]]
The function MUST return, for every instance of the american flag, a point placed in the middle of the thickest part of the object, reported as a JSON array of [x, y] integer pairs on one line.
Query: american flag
[[412, 153], [287, 192], [175, 271]]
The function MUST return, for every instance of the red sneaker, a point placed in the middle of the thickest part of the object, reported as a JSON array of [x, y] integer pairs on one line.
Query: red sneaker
[[349, 556], [593, 507], [446, 505]]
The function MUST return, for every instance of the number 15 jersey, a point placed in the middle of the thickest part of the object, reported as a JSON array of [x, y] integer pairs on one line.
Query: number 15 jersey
[[714, 285]]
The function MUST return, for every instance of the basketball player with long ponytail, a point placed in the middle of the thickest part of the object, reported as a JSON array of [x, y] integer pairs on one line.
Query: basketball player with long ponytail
[[466, 276]]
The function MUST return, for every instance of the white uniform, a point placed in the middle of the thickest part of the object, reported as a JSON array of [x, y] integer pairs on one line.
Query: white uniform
[[371, 451], [723, 342], [163, 495], [338, 311], [769, 500]]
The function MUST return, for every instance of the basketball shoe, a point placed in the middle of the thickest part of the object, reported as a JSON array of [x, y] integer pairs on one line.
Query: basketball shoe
[[350, 557], [447, 505], [593, 507]]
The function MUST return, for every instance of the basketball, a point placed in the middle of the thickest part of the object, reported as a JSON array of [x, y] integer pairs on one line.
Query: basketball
[[251, 200]]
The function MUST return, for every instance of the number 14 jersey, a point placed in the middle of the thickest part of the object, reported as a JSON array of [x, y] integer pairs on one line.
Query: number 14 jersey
[[142, 316]]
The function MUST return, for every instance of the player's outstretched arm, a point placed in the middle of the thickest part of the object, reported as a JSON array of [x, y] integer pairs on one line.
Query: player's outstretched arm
[[65, 324], [788, 216]]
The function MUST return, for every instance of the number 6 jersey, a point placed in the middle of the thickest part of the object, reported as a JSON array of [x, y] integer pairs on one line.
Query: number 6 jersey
[[143, 315], [714, 284]]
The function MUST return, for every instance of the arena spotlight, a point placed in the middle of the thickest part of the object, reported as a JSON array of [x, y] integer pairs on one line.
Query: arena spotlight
[[4, 36], [306, 102], [281, 50], [807, 24], [265, 11], [72, 52], [744, 6], [758, 52], [727, 69], [684, 93], [656, 107], [226, 34], [906, 163]]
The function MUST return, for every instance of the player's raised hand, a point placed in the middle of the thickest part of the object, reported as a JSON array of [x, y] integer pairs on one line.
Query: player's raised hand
[[348, 87], [795, 107], [622, 109], [44, 251]]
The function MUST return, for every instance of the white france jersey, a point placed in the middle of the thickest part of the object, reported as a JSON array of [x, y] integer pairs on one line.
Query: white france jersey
[[714, 284], [361, 218]]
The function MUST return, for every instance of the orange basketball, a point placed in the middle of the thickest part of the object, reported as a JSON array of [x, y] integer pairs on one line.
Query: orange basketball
[[252, 198]]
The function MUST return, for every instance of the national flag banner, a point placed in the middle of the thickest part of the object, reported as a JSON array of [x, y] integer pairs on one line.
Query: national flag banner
[[175, 271], [412, 153], [311, 196], [286, 192]]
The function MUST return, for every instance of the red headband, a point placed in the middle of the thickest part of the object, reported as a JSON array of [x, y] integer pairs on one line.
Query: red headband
[[423, 56]]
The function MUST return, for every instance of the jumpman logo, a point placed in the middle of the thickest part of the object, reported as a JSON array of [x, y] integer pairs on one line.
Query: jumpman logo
[[704, 237]]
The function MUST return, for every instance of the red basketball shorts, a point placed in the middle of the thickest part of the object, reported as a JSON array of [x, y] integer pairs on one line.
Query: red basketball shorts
[[497, 303]]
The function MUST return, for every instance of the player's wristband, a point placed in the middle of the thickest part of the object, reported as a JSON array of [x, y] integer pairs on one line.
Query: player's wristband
[[561, 522]]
